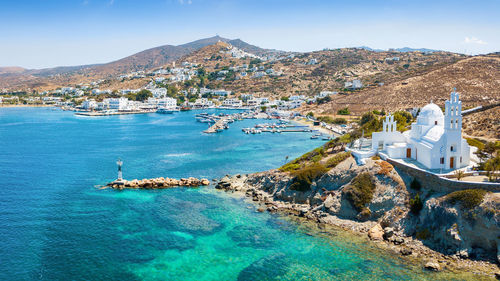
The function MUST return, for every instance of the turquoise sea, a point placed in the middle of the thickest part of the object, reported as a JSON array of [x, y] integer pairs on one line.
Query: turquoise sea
[[55, 225]]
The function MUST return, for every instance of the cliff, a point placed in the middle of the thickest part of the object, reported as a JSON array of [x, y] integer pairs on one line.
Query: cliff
[[391, 207]]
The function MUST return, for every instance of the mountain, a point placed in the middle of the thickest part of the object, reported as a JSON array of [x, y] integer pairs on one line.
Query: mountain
[[401, 50], [18, 78]]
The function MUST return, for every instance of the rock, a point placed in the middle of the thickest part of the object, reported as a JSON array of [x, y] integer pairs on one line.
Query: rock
[[463, 254], [376, 232], [261, 209], [388, 232], [398, 240], [497, 275], [205, 182], [406, 251], [432, 266]]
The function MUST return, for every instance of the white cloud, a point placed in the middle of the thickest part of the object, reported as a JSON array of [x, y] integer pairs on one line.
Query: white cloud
[[85, 2], [474, 40], [111, 2], [188, 2]]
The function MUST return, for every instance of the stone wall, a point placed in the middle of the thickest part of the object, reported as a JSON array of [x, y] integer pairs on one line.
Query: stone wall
[[440, 184]]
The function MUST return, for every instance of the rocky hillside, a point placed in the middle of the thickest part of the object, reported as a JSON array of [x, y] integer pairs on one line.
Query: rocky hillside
[[21, 79], [389, 206], [476, 78]]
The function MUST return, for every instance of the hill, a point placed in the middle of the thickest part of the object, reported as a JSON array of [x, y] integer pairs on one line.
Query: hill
[[476, 78], [20, 79]]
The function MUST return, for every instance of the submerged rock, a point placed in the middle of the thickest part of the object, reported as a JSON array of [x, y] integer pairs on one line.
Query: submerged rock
[[268, 268]]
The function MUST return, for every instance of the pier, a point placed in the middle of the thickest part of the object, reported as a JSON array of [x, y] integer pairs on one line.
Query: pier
[[157, 183]]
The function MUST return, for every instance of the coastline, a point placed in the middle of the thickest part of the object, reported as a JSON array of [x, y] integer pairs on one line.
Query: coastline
[[411, 250], [319, 128]]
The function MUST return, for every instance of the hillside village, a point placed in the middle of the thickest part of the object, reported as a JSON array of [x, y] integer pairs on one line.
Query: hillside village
[[349, 81]]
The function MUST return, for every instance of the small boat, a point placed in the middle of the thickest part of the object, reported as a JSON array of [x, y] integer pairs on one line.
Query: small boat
[[314, 137]]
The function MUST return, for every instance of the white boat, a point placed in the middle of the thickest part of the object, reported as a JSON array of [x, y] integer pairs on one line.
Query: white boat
[[167, 110]]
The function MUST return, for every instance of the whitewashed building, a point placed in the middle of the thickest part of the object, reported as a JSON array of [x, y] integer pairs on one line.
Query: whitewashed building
[[118, 104], [89, 104], [232, 103], [435, 139]]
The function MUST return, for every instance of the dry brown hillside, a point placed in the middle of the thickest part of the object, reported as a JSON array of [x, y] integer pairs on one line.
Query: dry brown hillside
[[476, 78]]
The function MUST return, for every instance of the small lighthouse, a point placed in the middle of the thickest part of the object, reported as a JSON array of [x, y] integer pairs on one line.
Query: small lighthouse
[[120, 176]]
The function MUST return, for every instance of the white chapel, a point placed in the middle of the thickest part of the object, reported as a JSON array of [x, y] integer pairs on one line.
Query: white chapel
[[434, 140]]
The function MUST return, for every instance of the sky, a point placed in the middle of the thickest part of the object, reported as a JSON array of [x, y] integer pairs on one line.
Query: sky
[[49, 33]]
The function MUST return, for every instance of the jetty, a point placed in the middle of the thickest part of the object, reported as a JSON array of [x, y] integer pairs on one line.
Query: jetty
[[157, 183], [154, 183]]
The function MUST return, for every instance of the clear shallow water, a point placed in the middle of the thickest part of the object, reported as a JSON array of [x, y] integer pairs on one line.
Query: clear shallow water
[[54, 225]]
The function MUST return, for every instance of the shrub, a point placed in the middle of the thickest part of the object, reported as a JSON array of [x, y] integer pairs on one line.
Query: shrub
[[336, 159], [475, 142], [344, 111], [305, 176], [468, 198], [290, 167], [385, 168], [459, 174], [360, 191], [423, 234], [416, 204], [415, 184], [375, 157]]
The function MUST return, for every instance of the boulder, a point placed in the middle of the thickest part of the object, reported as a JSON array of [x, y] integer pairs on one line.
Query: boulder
[[432, 266], [205, 182], [376, 232], [406, 251], [388, 232]]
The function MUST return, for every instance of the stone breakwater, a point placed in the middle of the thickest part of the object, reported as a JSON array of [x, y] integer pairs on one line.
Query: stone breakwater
[[157, 183], [439, 238]]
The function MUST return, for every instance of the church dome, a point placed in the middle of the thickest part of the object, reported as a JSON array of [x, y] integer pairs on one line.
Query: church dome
[[430, 115], [431, 111]]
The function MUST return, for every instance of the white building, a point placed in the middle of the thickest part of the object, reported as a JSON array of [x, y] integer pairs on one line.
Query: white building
[[118, 104], [159, 92], [203, 103], [167, 103], [353, 85], [232, 103], [434, 141], [89, 104]]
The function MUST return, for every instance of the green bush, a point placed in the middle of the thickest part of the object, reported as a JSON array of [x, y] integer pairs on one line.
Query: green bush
[[475, 142], [360, 191], [468, 198], [336, 159], [305, 176], [416, 204], [344, 111]]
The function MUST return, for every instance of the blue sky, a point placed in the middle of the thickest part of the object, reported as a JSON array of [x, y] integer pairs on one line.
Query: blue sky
[[48, 33]]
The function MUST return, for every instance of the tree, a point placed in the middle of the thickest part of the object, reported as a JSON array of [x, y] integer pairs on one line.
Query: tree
[[143, 95], [285, 98]]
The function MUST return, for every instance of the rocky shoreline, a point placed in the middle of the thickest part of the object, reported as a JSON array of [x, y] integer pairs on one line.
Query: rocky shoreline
[[391, 238], [157, 183]]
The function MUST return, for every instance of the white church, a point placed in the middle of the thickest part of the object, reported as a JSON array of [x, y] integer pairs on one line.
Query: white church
[[435, 140]]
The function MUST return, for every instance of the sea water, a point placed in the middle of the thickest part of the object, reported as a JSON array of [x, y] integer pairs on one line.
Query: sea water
[[56, 225]]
